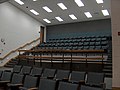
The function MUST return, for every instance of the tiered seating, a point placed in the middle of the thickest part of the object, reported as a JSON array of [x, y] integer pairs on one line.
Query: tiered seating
[[88, 42], [62, 80], [88, 49]]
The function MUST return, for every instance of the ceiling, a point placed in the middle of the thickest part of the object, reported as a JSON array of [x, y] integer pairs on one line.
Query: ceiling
[[72, 8]]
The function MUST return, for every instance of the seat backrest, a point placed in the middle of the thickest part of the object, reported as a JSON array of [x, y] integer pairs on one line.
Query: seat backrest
[[26, 70], [6, 76], [17, 68], [77, 76], [30, 81], [95, 78], [67, 86], [89, 88], [47, 84], [36, 71], [17, 78], [61, 74], [49, 72]]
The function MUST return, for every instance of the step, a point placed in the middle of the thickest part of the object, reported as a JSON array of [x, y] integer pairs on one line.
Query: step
[[108, 75], [14, 60], [10, 66], [109, 59], [11, 63], [107, 70], [108, 67], [108, 63]]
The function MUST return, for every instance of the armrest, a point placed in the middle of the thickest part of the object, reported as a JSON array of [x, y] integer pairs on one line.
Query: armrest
[[4, 82], [8, 70], [14, 85], [81, 82], [34, 88]]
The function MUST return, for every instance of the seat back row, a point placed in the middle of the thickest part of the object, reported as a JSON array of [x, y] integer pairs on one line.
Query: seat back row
[[21, 82], [92, 78]]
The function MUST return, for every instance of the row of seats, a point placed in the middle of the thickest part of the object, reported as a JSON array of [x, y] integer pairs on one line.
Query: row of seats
[[81, 37], [79, 40], [74, 76], [76, 43], [82, 47], [28, 77], [21, 82]]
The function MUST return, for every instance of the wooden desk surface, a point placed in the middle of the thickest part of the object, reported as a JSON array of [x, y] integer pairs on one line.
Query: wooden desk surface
[[64, 51]]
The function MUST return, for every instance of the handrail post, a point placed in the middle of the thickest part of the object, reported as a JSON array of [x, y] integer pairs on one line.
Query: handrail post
[[86, 61], [40, 60], [102, 60], [63, 59], [51, 59], [71, 62], [19, 56]]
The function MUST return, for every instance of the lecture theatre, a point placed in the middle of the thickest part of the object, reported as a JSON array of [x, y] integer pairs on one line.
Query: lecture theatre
[[59, 44]]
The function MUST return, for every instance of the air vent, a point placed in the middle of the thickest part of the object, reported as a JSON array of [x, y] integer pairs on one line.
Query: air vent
[[2, 1], [52, 19], [96, 13]]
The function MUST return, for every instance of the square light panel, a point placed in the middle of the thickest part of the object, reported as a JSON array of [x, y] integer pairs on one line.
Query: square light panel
[[47, 21], [47, 9], [19, 2], [62, 6], [99, 1], [72, 17], [88, 14], [59, 19], [34, 12], [79, 3], [105, 12]]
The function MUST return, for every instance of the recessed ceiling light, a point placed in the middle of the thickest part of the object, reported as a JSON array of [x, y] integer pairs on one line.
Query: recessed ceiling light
[[73, 17], [79, 3], [34, 0], [99, 1], [88, 14], [47, 9], [34, 12], [105, 12], [46, 20], [19, 2], [59, 19], [62, 6]]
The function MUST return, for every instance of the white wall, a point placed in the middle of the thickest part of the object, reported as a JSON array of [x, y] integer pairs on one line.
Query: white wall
[[16, 28]]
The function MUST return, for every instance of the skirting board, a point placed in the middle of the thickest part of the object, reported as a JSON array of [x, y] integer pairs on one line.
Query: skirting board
[[116, 88]]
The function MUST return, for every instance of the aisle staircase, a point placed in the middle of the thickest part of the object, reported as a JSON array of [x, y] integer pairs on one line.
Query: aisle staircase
[[11, 63], [108, 65]]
